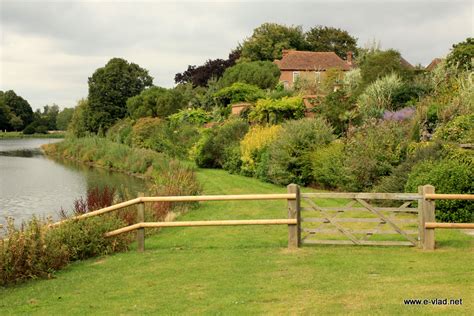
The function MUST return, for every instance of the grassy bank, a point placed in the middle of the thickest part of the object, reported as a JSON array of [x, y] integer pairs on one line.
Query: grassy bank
[[248, 270], [102, 153], [5, 135]]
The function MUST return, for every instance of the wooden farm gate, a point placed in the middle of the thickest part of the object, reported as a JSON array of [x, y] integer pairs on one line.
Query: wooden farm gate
[[384, 219]]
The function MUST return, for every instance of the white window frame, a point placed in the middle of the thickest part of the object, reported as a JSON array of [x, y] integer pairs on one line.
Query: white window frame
[[317, 75], [296, 75]]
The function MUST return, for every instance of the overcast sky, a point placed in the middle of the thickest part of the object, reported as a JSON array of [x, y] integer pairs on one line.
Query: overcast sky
[[49, 48]]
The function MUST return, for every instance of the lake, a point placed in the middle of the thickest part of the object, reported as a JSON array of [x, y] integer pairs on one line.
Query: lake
[[33, 184]]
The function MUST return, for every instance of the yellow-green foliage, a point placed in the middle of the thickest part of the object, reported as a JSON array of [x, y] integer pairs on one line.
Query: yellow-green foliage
[[142, 131], [256, 140], [276, 111]]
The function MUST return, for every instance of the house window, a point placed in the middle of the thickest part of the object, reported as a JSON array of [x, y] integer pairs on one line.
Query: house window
[[296, 75], [317, 75]]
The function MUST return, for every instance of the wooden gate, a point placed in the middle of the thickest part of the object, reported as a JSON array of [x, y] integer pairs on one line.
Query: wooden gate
[[385, 219]]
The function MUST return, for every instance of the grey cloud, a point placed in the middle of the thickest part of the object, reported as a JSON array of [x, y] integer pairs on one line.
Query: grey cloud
[[62, 43]]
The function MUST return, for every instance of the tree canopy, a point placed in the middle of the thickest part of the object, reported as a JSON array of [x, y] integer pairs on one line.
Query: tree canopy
[[15, 112], [263, 74], [109, 89], [330, 39], [156, 102], [378, 64], [269, 39], [462, 55], [212, 68]]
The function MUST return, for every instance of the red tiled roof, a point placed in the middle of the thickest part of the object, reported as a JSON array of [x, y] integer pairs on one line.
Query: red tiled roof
[[302, 60], [433, 64]]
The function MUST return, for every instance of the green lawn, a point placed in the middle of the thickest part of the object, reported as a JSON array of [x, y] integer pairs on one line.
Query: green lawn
[[248, 270]]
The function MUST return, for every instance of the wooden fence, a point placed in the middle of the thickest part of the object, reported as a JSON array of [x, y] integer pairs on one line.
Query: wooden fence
[[322, 218]]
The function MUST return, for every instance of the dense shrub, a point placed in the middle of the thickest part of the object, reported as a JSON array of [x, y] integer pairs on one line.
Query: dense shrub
[[210, 149], [289, 154], [264, 74], [174, 139], [191, 116], [143, 130], [328, 166], [447, 176], [337, 108], [416, 153], [254, 144], [174, 181], [238, 92], [460, 130], [32, 251], [352, 81], [377, 97], [372, 151], [36, 250], [85, 238], [276, 111], [121, 132], [407, 95]]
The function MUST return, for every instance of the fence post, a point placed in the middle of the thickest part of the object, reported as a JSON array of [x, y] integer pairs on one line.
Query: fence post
[[428, 215], [294, 231], [141, 231]]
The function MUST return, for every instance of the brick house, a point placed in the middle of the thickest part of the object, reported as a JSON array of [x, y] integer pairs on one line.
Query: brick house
[[295, 64]]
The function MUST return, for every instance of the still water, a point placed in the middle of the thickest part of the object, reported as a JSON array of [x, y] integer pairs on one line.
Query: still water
[[32, 184]]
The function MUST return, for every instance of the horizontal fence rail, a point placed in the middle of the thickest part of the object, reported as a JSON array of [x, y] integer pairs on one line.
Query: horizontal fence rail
[[185, 198], [449, 196], [202, 223], [450, 225]]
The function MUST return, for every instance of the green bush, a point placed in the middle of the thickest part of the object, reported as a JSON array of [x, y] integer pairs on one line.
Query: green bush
[[377, 97], [210, 150], [459, 130], [289, 154], [143, 130], [373, 150], [121, 132], [174, 139], [276, 111], [396, 181], [238, 92], [447, 176], [328, 166], [37, 250], [191, 116], [337, 109], [232, 162], [85, 238], [32, 251]]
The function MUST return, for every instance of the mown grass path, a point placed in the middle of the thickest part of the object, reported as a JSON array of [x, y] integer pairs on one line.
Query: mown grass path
[[248, 270]]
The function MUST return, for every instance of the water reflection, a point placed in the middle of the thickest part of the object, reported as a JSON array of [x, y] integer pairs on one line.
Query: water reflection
[[32, 184]]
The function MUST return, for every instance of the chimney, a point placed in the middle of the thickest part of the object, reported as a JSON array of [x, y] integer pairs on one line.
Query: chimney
[[349, 58]]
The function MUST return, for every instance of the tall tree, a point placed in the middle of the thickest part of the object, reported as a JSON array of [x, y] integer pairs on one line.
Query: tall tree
[[462, 55], [330, 39], [381, 63], [213, 68], [269, 39], [109, 89], [20, 110], [64, 118], [263, 74]]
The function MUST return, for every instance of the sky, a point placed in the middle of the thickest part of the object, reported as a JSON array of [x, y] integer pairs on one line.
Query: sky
[[49, 48]]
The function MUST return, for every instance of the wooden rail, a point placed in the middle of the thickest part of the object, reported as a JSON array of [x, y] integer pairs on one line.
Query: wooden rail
[[449, 196], [186, 198], [433, 225], [201, 223]]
